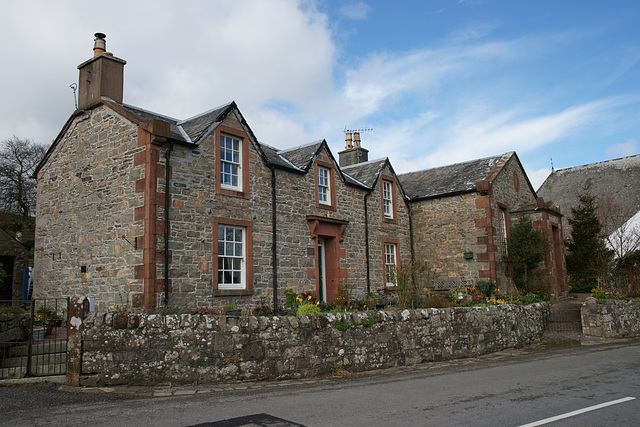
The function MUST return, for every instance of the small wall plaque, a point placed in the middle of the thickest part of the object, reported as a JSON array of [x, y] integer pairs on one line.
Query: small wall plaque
[[311, 251]]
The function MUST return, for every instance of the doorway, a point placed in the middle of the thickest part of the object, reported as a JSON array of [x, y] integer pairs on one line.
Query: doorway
[[6, 286], [322, 272], [328, 233]]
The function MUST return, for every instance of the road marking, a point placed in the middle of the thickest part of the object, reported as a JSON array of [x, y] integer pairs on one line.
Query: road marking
[[578, 412]]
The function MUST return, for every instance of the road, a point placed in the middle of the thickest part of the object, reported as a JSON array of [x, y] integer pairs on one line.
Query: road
[[510, 388]]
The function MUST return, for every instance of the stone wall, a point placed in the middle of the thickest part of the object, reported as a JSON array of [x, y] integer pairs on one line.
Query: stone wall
[[611, 318], [154, 349], [444, 229], [85, 226]]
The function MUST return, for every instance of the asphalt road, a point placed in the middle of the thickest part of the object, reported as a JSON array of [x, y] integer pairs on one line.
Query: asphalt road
[[510, 388]]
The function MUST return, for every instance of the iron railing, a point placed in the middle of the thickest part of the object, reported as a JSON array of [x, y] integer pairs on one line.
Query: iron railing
[[33, 337]]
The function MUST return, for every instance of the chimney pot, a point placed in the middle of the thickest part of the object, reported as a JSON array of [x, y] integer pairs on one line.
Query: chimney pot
[[356, 139], [100, 44], [348, 140]]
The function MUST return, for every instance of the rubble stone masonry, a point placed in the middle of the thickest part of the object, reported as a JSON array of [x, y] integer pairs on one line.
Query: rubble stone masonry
[[195, 349], [86, 232]]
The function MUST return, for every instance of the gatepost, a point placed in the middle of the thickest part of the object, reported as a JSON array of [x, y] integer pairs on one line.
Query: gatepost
[[78, 308]]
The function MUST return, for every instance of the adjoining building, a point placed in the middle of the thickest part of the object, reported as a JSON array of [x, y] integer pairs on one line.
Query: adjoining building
[[137, 208]]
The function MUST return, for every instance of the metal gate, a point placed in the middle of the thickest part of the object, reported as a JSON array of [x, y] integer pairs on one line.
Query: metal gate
[[33, 337]]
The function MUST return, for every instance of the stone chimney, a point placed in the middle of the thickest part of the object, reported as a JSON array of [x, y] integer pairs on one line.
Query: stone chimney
[[102, 75], [353, 152]]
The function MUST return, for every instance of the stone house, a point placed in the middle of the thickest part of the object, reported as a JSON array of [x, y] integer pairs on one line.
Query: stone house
[[461, 215], [136, 208], [14, 258]]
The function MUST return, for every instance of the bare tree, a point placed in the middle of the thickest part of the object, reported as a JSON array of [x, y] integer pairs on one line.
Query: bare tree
[[18, 160]]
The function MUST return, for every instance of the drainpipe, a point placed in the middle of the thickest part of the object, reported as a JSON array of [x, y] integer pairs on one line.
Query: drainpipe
[[413, 252], [366, 240], [274, 240], [167, 201]]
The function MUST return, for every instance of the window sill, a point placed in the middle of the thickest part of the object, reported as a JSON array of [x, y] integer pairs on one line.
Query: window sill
[[232, 292], [233, 193]]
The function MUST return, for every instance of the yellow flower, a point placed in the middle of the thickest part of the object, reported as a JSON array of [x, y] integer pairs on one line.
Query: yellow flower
[[309, 298]]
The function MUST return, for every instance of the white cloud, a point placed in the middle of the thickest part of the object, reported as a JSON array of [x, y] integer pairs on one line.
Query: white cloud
[[625, 149], [181, 62], [537, 176], [357, 11]]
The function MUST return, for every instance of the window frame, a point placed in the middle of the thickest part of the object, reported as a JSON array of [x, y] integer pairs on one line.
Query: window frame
[[331, 199], [503, 229], [246, 286], [243, 188], [385, 273], [393, 217], [235, 167]]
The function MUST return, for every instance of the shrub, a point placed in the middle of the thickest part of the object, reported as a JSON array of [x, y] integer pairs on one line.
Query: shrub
[[527, 249], [342, 325], [369, 321], [438, 301], [305, 309]]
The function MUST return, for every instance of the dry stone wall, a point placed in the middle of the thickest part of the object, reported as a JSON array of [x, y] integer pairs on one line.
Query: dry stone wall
[[198, 349], [611, 318]]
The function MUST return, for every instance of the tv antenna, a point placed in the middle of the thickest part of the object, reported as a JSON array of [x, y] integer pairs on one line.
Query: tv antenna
[[355, 134], [73, 87]]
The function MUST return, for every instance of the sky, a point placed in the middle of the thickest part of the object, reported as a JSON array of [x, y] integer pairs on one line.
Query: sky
[[434, 82]]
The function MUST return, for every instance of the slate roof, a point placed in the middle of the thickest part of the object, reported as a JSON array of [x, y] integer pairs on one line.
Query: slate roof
[[449, 180], [189, 130], [618, 179], [367, 173], [303, 155]]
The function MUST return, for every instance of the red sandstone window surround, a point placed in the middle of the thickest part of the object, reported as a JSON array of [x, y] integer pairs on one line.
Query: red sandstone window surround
[[325, 185], [232, 165], [388, 197], [232, 257], [503, 228], [390, 261]]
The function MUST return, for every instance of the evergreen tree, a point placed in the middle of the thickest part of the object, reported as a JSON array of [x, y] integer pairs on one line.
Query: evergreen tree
[[588, 258], [527, 249]]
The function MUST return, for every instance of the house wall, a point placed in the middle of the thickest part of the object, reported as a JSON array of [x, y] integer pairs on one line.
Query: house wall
[[446, 228], [85, 227], [195, 204], [509, 190], [383, 230]]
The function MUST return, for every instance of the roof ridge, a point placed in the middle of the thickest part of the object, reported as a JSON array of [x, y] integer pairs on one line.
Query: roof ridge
[[133, 107], [381, 159], [320, 141], [597, 163], [204, 113], [499, 156]]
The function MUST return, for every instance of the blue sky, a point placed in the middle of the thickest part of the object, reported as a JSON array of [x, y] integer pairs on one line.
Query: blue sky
[[438, 81]]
